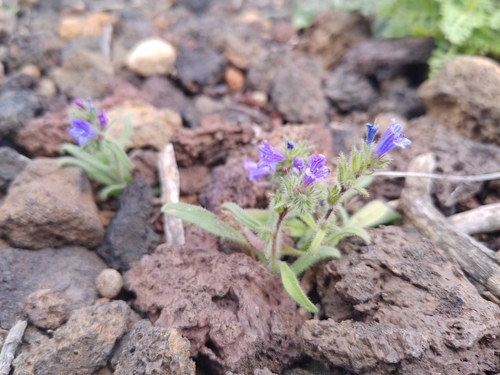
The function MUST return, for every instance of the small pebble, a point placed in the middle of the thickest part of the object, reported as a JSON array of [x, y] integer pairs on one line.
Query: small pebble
[[234, 78], [109, 283]]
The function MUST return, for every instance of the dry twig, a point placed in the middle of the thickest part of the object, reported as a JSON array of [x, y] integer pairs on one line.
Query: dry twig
[[10, 345]]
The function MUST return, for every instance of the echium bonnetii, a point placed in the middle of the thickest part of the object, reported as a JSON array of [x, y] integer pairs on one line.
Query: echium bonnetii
[[307, 205], [101, 157]]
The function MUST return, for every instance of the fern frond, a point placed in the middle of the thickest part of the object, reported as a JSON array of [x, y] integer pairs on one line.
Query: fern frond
[[459, 19]]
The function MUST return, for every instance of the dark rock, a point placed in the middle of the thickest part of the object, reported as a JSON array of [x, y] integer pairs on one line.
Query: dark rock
[[199, 66], [11, 164], [68, 271], [236, 314], [196, 6], [397, 96], [349, 91], [147, 349], [130, 234], [48, 206], [83, 74], [332, 33], [82, 346], [282, 30], [46, 309], [118, 91], [210, 142], [39, 48], [145, 165], [16, 108], [297, 95], [263, 72], [164, 94], [192, 179], [413, 308], [386, 59], [42, 136], [18, 81]]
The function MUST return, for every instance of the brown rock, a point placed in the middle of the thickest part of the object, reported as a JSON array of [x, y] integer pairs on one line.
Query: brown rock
[[46, 309], [193, 178], [236, 315], [145, 165], [164, 94], [332, 33], [209, 142], [42, 136], [47, 206], [414, 311], [463, 96], [151, 127], [120, 90], [234, 78], [72, 27]]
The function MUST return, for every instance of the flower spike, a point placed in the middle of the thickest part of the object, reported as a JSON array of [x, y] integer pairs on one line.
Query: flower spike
[[391, 138]]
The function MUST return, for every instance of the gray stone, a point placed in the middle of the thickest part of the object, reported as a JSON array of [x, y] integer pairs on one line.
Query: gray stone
[[40, 48], [83, 74], [16, 108], [130, 234], [147, 349], [47, 206], [297, 93], [82, 346], [11, 164], [46, 309], [69, 271], [198, 67]]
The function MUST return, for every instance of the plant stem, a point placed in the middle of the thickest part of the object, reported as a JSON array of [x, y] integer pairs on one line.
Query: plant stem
[[276, 242]]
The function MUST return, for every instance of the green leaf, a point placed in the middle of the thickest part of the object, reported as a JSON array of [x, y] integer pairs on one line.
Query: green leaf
[[335, 237], [373, 214], [309, 220], [296, 227], [120, 154], [306, 260], [260, 215], [292, 287], [242, 216], [92, 161], [127, 131], [97, 174], [112, 190], [317, 241], [205, 220]]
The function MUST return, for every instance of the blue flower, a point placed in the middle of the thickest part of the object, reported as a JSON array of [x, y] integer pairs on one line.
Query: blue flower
[[101, 117], [254, 172], [315, 170], [370, 133], [289, 145], [79, 102], [269, 156], [298, 163], [391, 138], [81, 130]]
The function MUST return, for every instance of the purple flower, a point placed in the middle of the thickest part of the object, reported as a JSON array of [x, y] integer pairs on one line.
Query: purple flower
[[298, 163], [315, 170], [81, 130], [254, 172], [289, 145], [103, 120], [370, 133], [79, 102], [391, 138], [269, 156]]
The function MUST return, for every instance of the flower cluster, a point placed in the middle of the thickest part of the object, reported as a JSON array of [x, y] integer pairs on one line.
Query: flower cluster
[[87, 124], [391, 138]]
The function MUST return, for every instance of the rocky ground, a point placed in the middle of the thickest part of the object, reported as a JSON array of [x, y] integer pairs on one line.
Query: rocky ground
[[103, 293]]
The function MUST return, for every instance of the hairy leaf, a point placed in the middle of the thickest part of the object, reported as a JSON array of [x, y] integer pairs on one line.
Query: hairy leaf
[[305, 261], [292, 287]]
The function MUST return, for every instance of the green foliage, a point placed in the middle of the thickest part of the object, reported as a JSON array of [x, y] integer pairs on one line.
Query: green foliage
[[458, 26]]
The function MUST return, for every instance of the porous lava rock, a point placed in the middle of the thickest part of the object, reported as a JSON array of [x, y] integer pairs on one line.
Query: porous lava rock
[[46, 309], [70, 272], [48, 206], [236, 314], [82, 346], [147, 349], [400, 306], [463, 96]]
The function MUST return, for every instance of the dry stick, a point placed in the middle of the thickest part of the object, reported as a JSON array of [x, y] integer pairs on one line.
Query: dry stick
[[480, 263], [478, 220], [169, 181], [10, 345]]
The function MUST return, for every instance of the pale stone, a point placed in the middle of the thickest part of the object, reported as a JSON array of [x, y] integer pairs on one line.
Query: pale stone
[[234, 78], [46, 88], [152, 56], [109, 283], [72, 27], [151, 126], [31, 70]]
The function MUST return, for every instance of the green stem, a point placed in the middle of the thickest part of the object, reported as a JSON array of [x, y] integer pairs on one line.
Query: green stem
[[276, 242]]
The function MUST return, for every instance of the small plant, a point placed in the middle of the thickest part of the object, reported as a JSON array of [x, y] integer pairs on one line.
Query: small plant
[[458, 26], [101, 157], [304, 206]]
